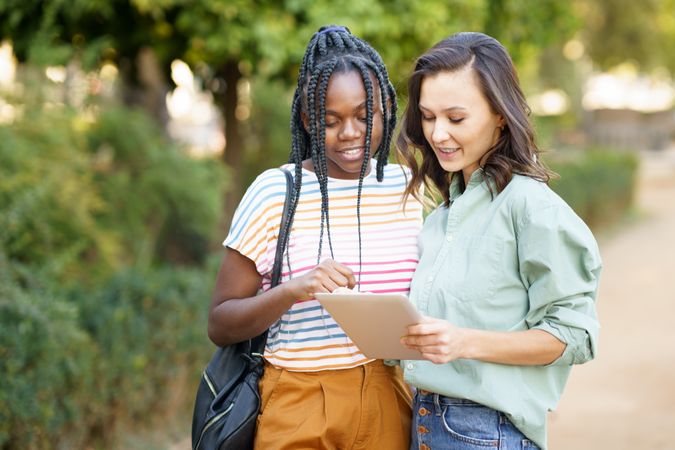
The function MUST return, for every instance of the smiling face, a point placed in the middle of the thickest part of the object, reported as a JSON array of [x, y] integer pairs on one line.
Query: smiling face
[[346, 124], [457, 120]]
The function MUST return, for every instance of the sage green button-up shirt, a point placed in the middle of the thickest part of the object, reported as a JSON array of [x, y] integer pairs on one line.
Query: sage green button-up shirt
[[519, 261]]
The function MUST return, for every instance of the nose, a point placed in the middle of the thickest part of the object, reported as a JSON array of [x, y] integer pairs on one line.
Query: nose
[[440, 133], [352, 129]]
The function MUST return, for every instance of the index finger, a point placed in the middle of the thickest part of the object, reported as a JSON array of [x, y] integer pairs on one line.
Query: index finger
[[427, 326], [344, 271]]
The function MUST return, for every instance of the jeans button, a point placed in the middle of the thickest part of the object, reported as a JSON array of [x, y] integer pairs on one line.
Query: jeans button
[[423, 411]]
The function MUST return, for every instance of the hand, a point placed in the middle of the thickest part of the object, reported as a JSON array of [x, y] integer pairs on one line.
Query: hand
[[438, 340], [326, 277]]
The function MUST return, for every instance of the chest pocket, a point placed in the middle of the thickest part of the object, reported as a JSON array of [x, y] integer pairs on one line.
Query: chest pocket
[[474, 268]]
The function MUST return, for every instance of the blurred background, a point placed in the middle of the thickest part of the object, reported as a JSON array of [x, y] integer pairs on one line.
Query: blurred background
[[129, 130]]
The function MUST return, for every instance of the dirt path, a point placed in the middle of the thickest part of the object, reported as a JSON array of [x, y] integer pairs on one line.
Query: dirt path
[[625, 398]]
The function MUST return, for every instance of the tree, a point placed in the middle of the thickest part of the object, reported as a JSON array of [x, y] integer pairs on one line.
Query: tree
[[227, 41], [620, 30]]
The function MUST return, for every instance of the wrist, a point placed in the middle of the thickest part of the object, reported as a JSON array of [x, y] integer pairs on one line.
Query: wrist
[[470, 344]]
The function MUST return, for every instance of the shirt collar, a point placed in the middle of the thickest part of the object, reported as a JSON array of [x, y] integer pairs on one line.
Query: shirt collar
[[477, 177]]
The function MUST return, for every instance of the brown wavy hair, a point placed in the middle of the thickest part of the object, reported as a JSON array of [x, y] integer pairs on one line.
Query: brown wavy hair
[[515, 150]]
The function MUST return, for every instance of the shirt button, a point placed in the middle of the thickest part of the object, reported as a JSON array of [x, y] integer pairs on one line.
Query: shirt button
[[410, 366], [448, 237], [430, 278]]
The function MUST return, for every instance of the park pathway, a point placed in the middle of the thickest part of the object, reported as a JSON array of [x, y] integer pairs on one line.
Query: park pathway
[[625, 398]]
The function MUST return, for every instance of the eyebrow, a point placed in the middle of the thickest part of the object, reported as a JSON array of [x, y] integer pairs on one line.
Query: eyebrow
[[358, 108], [451, 108]]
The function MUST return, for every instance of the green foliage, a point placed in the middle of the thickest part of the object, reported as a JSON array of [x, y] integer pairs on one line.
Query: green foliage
[[620, 30], [79, 198], [150, 329], [46, 367], [598, 184], [75, 365], [98, 326]]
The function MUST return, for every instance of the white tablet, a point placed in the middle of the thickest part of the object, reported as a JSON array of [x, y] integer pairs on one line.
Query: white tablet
[[375, 322]]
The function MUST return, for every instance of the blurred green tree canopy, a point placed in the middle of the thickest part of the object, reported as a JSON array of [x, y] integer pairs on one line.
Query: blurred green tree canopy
[[620, 30], [227, 40]]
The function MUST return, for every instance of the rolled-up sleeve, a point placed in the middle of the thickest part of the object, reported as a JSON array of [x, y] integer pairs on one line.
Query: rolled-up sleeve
[[560, 266]]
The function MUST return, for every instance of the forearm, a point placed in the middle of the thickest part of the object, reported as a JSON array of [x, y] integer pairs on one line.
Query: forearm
[[238, 319], [523, 348]]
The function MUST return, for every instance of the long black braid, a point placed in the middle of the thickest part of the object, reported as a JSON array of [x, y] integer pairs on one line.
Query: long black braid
[[333, 49]]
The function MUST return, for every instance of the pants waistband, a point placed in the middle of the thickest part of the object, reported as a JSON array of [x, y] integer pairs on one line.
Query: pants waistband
[[442, 399]]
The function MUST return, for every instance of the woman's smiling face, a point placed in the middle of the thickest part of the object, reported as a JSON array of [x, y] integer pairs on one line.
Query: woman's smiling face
[[346, 124], [457, 120]]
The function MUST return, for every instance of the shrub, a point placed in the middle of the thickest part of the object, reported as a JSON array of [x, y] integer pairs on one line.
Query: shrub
[[46, 367], [598, 184], [76, 365], [80, 200], [104, 286]]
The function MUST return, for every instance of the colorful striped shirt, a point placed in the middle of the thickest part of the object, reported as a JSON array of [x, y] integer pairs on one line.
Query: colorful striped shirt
[[306, 338]]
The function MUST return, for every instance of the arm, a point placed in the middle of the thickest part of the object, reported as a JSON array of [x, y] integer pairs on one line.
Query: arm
[[559, 265], [440, 342], [237, 313]]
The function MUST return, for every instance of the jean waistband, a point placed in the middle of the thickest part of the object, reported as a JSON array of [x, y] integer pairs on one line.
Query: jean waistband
[[442, 399]]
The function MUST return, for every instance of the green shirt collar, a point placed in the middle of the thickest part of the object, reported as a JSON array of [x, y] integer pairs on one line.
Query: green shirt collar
[[477, 177]]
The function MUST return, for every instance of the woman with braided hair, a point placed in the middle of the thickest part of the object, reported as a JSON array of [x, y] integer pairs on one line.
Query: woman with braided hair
[[347, 227]]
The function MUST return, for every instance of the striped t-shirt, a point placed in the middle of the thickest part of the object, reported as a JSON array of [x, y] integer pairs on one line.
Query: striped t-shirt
[[306, 338]]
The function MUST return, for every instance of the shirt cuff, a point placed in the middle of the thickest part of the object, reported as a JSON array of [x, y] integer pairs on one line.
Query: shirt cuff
[[575, 346]]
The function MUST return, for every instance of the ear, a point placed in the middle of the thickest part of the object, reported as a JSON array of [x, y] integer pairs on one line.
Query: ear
[[305, 120], [501, 123]]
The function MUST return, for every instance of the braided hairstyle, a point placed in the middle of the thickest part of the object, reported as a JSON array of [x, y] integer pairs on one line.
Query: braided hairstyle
[[333, 49]]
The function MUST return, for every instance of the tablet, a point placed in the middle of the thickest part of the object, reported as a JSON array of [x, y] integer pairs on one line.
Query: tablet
[[375, 322]]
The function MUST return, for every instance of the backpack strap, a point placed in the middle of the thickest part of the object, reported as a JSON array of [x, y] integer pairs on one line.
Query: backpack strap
[[258, 342]]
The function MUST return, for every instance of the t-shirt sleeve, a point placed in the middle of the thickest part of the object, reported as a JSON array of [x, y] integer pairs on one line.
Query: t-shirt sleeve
[[255, 225]]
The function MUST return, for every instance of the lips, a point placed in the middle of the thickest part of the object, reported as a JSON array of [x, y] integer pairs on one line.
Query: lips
[[448, 150], [447, 153], [352, 153]]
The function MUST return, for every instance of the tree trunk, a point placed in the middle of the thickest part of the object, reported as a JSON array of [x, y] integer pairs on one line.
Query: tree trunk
[[145, 85], [227, 101]]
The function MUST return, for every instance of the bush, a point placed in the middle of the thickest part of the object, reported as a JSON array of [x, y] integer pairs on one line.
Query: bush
[[46, 367], [80, 199], [104, 285], [150, 329], [76, 366], [598, 184]]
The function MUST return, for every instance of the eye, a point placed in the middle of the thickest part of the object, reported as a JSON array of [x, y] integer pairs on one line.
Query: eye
[[458, 120], [427, 118], [363, 119]]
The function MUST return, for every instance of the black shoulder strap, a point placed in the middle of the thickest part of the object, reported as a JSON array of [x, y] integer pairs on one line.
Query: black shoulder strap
[[258, 342], [283, 237]]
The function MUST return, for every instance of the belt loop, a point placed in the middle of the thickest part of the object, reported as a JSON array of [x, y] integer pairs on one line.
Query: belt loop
[[437, 405]]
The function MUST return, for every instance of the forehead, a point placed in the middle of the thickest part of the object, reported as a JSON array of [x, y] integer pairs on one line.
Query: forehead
[[348, 87], [448, 89]]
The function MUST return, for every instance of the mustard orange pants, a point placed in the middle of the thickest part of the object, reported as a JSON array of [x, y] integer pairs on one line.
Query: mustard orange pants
[[366, 407]]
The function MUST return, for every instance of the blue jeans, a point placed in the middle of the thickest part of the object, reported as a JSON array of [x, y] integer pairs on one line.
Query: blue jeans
[[451, 423]]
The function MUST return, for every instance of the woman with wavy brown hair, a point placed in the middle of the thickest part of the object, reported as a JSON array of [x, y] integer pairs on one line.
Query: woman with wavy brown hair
[[508, 273]]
